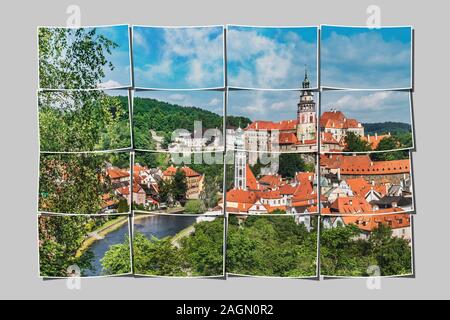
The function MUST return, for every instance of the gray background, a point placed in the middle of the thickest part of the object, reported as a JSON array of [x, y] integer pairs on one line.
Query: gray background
[[19, 142]]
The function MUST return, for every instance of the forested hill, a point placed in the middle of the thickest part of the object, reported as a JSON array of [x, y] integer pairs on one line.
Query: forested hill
[[385, 127], [166, 117]]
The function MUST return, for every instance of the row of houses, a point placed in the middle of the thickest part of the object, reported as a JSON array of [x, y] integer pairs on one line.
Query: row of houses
[[354, 184], [145, 188]]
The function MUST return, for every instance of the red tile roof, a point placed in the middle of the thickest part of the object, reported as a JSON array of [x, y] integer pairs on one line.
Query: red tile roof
[[351, 205], [374, 141], [363, 165], [287, 138], [327, 137], [284, 125], [252, 183], [272, 181], [170, 171], [116, 173], [370, 223], [337, 120]]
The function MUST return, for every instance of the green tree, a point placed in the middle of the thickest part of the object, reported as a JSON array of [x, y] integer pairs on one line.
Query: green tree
[[59, 240], [117, 259], [393, 254], [72, 58], [354, 143], [391, 143], [291, 163], [73, 183], [271, 246], [203, 249], [156, 257], [179, 186], [194, 207]]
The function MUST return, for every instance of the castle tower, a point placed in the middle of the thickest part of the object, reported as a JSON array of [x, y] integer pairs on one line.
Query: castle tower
[[306, 113], [240, 161]]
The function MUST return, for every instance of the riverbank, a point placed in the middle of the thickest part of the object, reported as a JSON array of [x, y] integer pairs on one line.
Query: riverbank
[[100, 233]]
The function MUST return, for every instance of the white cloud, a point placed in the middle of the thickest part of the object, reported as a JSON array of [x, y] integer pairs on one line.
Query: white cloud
[[177, 97], [264, 62], [214, 102], [109, 84], [365, 60], [370, 106], [201, 50]]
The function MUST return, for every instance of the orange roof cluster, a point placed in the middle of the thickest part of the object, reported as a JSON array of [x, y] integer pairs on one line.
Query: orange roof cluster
[[363, 165], [327, 137], [116, 173], [370, 223], [126, 190], [374, 141], [287, 138], [271, 181], [351, 205], [361, 187], [337, 120], [170, 171], [284, 125], [252, 183]]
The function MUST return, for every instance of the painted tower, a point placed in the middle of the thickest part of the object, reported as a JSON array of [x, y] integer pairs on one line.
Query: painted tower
[[306, 113], [240, 161]]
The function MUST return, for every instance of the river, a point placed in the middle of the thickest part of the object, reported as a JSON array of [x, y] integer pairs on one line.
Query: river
[[157, 226]]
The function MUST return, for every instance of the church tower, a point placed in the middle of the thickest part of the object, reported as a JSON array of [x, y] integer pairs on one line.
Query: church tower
[[306, 113], [240, 161]]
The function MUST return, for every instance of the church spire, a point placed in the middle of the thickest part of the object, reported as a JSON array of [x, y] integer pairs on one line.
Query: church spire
[[305, 83]]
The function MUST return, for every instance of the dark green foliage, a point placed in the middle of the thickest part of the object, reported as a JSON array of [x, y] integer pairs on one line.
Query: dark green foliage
[[197, 254], [392, 143], [59, 239], [179, 186], [123, 206], [72, 58], [395, 128], [117, 259], [342, 254], [353, 143], [291, 163], [82, 121], [271, 246], [74, 183]]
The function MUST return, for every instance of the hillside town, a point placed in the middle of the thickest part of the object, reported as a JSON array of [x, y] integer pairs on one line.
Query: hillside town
[[300, 134], [355, 184], [146, 187]]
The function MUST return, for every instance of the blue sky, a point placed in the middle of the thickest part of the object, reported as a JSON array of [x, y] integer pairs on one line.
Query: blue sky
[[263, 105], [370, 106], [208, 100], [271, 58], [119, 57], [178, 58], [363, 58]]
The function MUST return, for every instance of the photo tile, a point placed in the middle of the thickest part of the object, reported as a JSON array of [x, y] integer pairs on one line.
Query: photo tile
[[179, 121], [366, 58], [81, 121], [188, 58], [84, 58], [178, 183], [272, 121], [86, 183], [366, 246], [272, 246], [271, 183], [178, 246], [86, 246], [366, 184], [271, 57], [366, 121]]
